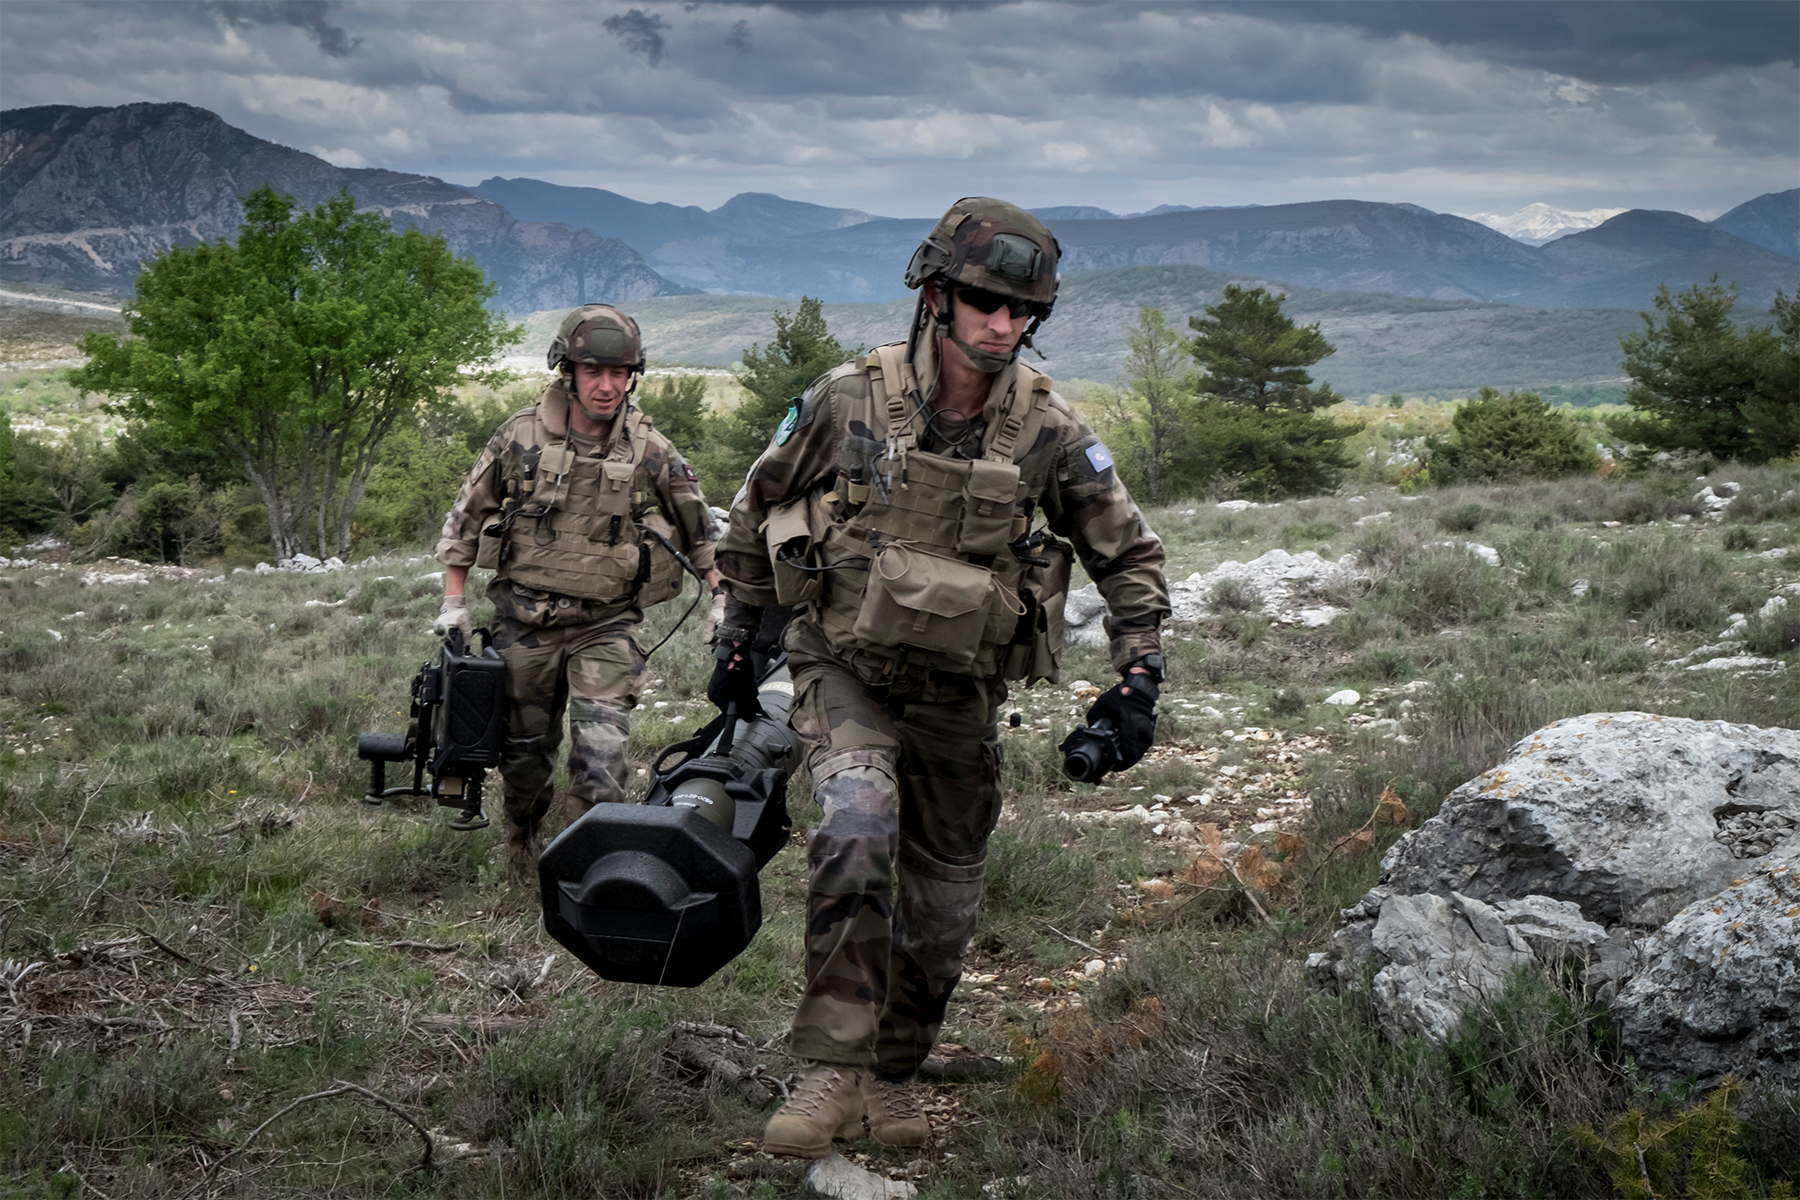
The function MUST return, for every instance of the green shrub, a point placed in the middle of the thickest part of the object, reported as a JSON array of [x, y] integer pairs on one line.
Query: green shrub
[[1464, 518], [1694, 1153], [1512, 436], [1777, 633], [1670, 583], [1443, 585], [1740, 537]]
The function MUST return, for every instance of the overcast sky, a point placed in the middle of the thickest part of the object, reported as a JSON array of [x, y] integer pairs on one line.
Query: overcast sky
[[899, 108]]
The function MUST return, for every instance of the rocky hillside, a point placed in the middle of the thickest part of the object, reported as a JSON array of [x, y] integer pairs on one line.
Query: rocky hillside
[[87, 194]]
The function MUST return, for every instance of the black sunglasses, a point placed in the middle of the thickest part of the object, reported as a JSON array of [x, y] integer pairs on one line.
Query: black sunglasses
[[984, 301]]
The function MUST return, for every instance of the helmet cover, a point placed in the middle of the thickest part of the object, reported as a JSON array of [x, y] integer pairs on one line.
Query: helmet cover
[[597, 333], [990, 244]]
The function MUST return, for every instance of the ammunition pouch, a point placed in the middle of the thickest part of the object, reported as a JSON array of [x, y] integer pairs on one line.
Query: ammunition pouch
[[1036, 649], [791, 538], [928, 602]]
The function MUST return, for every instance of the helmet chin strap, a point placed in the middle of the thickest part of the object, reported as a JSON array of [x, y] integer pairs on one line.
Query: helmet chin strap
[[983, 359]]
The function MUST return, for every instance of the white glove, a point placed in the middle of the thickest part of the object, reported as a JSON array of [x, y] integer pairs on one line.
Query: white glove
[[715, 618], [454, 615]]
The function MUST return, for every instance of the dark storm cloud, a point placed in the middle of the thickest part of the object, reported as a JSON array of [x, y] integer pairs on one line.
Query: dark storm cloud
[[1602, 41], [1618, 41], [301, 14], [641, 32], [888, 107]]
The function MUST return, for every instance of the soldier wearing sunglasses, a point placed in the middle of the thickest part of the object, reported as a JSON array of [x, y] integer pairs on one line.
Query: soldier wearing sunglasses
[[921, 507]]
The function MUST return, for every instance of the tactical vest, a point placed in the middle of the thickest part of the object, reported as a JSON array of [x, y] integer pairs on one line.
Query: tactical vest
[[911, 557], [581, 525]]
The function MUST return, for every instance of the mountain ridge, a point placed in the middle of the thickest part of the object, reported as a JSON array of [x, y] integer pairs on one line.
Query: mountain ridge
[[88, 194]]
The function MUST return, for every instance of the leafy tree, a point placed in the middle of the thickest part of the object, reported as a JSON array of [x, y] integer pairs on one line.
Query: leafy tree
[[298, 349], [803, 349], [1699, 384], [61, 481], [1256, 428], [1158, 398], [1512, 436], [423, 466], [10, 500]]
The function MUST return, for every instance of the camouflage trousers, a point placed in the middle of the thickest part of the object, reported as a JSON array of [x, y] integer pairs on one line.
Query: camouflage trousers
[[594, 671], [910, 792]]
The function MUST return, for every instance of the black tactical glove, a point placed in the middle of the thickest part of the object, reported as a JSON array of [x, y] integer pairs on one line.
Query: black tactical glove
[[1131, 707], [734, 680]]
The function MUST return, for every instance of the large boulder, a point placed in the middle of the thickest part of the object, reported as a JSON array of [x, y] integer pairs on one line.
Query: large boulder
[[1659, 854], [1629, 815]]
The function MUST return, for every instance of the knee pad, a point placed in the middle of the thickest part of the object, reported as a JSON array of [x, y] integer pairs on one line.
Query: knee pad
[[852, 850], [596, 761]]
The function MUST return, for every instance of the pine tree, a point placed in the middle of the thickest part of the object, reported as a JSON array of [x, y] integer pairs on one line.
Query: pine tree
[[1255, 430], [802, 350], [1254, 354], [1692, 373]]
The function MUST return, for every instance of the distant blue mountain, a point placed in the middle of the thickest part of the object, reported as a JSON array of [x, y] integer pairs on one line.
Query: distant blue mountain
[[747, 216], [1771, 220]]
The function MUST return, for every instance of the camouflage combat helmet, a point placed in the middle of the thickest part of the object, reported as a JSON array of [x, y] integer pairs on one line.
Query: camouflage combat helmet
[[597, 333], [992, 245]]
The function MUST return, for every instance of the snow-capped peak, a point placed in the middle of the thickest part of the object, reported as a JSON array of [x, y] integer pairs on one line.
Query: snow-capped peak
[[1536, 224]]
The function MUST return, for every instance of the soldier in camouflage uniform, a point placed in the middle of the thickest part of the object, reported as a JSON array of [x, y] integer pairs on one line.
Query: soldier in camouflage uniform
[[571, 503], [914, 503]]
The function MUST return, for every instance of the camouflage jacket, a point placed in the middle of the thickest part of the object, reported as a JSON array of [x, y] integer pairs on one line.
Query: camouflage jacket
[[662, 468], [1081, 499]]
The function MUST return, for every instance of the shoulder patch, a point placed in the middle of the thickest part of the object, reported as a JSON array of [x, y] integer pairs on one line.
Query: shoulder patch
[[785, 430], [1099, 458]]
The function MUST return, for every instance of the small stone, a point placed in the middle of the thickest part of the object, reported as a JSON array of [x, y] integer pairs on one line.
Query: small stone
[[1347, 698], [837, 1177], [1093, 967]]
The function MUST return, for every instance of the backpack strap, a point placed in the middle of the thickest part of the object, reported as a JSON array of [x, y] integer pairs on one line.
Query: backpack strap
[[891, 381], [1022, 415]]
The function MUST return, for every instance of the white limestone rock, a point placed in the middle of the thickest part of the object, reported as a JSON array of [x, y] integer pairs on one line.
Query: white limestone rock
[[839, 1178], [1279, 581]]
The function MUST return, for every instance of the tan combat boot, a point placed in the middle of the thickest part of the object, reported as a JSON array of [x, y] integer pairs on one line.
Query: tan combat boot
[[894, 1115], [826, 1104]]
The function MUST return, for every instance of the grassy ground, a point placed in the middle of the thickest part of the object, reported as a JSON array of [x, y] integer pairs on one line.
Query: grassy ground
[[200, 923]]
